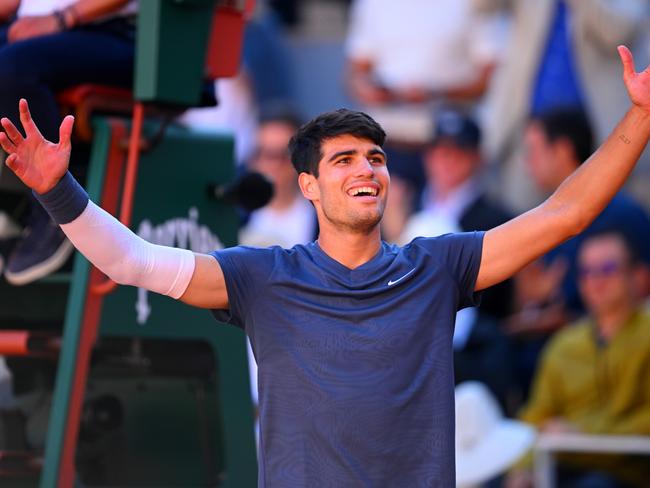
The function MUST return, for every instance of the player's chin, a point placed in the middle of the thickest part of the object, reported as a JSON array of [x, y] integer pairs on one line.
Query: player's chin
[[368, 220]]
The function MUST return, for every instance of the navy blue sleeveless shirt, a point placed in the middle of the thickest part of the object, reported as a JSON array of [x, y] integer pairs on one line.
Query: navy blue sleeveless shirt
[[355, 366]]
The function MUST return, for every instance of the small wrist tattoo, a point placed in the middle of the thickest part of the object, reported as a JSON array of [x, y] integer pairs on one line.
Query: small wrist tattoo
[[624, 139]]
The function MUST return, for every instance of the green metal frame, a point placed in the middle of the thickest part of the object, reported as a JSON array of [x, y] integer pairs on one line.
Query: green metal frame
[[172, 39], [171, 179]]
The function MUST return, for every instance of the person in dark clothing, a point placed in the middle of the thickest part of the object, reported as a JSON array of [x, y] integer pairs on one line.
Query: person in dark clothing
[[454, 194], [46, 47], [558, 141], [352, 335]]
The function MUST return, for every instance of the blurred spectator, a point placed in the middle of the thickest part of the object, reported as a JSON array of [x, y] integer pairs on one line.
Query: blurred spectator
[[594, 376], [453, 191], [47, 46], [288, 219], [557, 143], [265, 57], [453, 201], [407, 59], [487, 444], [562, 53], [235, 112], [262, 81]]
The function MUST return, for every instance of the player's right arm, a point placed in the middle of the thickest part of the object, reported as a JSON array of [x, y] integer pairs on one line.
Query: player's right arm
[[207, 287], [196, 279]]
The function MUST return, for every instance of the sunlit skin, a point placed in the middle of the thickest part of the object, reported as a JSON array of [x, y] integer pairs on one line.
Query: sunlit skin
[[349, 232], [349, 225]]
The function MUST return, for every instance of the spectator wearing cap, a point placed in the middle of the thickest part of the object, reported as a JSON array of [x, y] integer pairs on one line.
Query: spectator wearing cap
[[594, 376], [404, 61], [454, 192], [454, 200]]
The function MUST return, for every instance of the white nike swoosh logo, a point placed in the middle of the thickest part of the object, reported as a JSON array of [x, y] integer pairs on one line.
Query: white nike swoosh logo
[[391, 282]]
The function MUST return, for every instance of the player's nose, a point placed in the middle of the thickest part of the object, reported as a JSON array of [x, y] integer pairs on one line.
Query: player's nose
[[364, 168]]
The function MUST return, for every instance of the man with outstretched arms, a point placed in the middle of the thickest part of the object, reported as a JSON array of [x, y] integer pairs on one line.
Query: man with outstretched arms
[[352, 335]]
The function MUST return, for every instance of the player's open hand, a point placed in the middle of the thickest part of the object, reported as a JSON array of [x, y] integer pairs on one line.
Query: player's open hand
[[637, 84], [39, 163]]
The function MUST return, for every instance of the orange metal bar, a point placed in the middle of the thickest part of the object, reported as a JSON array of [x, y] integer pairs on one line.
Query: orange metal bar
[[130, 178], [29, 343], [84, 100], [14, 343], [132, 164], [91, 317], [89, 332]]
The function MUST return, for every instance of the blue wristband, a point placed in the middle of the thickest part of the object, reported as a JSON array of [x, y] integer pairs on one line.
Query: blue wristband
[[66, 201]]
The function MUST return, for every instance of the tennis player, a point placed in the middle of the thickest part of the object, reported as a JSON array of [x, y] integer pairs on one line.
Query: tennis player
[[353, 336]]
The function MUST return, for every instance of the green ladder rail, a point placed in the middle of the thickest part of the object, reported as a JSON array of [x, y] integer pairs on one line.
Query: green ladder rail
[[170, 185]]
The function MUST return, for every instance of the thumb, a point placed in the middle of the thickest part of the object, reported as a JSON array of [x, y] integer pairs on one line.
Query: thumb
[[15, 164], [65, 131], [628, 61]]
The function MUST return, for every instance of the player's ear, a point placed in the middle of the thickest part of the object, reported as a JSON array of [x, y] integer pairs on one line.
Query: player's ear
[[308, 186]]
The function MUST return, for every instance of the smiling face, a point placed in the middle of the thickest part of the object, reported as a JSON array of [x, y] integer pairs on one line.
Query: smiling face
[[352, 185]]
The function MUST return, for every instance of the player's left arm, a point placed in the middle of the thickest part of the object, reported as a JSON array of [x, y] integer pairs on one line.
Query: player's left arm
[[582, 196]]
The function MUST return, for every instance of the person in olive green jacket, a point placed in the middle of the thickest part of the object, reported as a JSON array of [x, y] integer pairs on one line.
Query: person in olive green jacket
[[594, 375]]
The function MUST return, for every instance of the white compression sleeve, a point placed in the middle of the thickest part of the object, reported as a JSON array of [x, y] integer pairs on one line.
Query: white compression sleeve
[[127, 258]]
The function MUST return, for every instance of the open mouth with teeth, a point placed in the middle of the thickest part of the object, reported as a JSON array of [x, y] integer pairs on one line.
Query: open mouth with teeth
[[363, 191]]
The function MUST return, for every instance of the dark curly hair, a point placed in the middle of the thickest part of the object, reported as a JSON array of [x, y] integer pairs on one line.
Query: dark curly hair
[[305, 145]]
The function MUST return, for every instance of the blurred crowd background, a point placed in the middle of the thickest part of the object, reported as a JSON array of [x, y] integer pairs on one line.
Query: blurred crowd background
[[489, 105]]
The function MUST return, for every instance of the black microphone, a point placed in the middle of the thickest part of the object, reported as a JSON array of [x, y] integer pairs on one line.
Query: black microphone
[[250, 191]]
